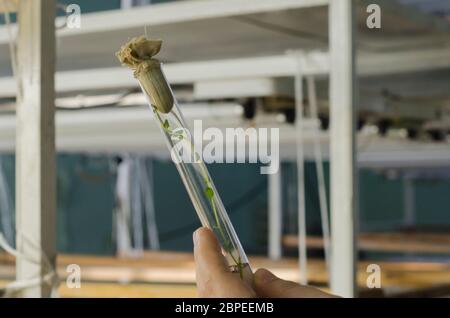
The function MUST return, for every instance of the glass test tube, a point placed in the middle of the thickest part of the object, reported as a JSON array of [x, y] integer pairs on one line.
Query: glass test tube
[[192, 169]]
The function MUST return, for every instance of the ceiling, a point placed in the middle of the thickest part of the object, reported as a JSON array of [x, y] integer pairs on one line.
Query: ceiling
[[236, 36]]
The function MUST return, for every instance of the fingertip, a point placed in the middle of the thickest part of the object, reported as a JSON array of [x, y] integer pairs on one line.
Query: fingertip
[[202, 231], [263, 276], [207, 251], [203, 234], [195, 236]]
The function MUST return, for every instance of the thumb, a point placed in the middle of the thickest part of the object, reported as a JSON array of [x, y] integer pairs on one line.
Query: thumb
[[268, 285]]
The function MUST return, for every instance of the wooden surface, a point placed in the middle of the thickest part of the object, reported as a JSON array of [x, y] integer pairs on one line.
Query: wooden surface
[[389, 242], [164, 274]]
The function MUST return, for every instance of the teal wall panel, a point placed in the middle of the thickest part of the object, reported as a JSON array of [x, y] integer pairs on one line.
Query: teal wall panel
[[433, 203], [85, 201], [243, 191], [85, 204], [380, 201]]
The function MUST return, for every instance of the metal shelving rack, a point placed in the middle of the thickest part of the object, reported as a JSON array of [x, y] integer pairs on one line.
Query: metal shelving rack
[[222, 41]]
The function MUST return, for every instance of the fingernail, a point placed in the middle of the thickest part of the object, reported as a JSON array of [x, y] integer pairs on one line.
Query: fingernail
[[195, 237], [263, 276]]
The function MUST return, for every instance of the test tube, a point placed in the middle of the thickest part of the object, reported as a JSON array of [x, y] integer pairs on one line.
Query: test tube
[[193, 171]]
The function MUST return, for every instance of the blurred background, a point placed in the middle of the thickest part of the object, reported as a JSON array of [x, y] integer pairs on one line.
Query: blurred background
[[123, 214]]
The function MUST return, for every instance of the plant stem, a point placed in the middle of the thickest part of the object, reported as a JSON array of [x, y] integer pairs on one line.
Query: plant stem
[[209, 191]]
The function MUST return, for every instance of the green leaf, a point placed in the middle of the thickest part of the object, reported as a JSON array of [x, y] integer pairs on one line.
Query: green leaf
[[166, 124], [177, 135], [209, 192]]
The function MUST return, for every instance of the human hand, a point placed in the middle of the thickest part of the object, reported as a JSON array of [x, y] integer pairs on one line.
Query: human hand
[[214, 278]]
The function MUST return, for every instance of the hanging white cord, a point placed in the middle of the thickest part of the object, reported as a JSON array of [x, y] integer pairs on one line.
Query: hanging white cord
[[123, 213], [149, 203], [302, 248], [12, 42], [136, 208], [50, 277], [323, 202]]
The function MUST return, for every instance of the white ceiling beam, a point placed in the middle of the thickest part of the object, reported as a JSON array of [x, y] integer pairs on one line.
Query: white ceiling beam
[[102, 131], [403, 61], [247, 87], [314, 63], [183, 11], [9, 5], [175, 12]]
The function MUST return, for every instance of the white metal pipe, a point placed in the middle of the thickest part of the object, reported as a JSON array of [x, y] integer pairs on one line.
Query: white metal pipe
[[275, 216], [303, 258], [318, 158], [342, 140]]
